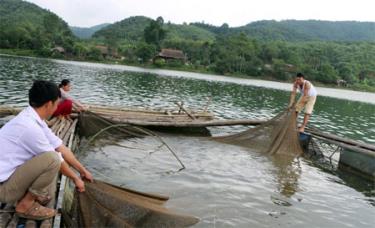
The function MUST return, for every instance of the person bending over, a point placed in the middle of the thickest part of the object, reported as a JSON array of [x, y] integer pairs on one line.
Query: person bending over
[[307, 99], [31, 156], [67, 103]]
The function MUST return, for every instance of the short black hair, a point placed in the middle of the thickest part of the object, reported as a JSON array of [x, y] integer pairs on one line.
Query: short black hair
[[300, 75], [64, 82], [42, 92]]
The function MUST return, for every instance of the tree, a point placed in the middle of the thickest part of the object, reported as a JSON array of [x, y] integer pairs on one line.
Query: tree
[[327, 74], [154, 32], [145, 51]]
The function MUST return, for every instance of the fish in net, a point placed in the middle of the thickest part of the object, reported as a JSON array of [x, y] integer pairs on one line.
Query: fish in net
[[279, 135]]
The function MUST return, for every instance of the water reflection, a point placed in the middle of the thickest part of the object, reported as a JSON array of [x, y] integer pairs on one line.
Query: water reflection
[[287, 172]]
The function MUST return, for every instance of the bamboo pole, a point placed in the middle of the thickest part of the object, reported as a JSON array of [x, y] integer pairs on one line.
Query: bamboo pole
[[350, 147], [341, 139], [210, 123], [65, 130], [208, 103], [56, 125], [13, 222], [186, 111], [61, 126], [63, 180], [52, 121], [6, 215]]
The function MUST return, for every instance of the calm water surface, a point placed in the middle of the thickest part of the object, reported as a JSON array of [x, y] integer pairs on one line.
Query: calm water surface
[[224, 185]]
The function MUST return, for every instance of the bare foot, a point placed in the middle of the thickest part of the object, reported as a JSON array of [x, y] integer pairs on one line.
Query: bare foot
[[301, 129]]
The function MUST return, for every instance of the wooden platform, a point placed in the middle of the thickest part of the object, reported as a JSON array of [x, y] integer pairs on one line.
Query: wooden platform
[[157, 118]]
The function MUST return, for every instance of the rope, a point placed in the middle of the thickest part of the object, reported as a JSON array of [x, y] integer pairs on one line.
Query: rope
[[147, 132]]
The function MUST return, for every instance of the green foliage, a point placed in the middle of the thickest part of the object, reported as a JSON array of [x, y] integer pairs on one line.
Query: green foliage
[[310, 30], [279, 70], [130, 29], [27, 26], [187, 32], [145, 52], [94, 54], [174, 63], [222, 30], [327, 74], [236, 54], [159, 62], [154, 33]]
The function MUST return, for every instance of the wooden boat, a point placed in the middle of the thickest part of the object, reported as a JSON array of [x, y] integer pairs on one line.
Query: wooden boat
[[146, 117], [181, 120]]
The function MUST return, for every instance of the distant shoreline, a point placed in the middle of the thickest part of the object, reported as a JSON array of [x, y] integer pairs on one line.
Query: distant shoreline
[[345, 94]]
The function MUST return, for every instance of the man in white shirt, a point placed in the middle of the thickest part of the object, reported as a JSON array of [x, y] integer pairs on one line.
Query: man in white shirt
[[307, 99], [31, 156]]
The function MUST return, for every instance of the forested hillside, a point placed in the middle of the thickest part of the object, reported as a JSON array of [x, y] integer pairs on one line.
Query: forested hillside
[[294, 30], [27, 26], [132, 29]]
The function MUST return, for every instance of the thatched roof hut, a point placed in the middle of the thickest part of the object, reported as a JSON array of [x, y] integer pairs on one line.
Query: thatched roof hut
[[107, 51], [103, 49], [58, 49], [171, 54]]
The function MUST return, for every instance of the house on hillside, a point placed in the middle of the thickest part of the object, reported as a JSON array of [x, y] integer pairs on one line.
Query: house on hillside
[[107, 52], [171, 54], [58, 49]]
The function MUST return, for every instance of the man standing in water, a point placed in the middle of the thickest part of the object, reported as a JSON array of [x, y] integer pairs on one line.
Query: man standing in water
[[31, 156], [307, 99]]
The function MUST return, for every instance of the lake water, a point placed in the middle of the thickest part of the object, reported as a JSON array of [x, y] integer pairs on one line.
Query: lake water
[[223, 185]]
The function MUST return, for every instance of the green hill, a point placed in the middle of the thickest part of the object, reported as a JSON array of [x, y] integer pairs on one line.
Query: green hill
[[27, 26], [299, 30], [188, 32], [128, 29], [132, 29], [86, 33], [293, 30]]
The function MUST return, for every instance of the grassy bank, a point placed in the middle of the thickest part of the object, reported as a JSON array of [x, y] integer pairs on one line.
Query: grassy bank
[[19, 52]]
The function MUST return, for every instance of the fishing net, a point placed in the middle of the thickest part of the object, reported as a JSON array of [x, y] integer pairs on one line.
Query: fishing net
[[106, 205], [91, 124], [279, 135]]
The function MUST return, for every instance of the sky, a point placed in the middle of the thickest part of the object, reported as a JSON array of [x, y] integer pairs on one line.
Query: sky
[[86, 13]]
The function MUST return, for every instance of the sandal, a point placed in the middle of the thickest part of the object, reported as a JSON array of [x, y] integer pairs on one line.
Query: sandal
[[37, 212], [43, 200]]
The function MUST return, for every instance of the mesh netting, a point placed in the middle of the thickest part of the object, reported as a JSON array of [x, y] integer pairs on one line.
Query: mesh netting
[[91, 124], [106, 205], [276, 136]]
